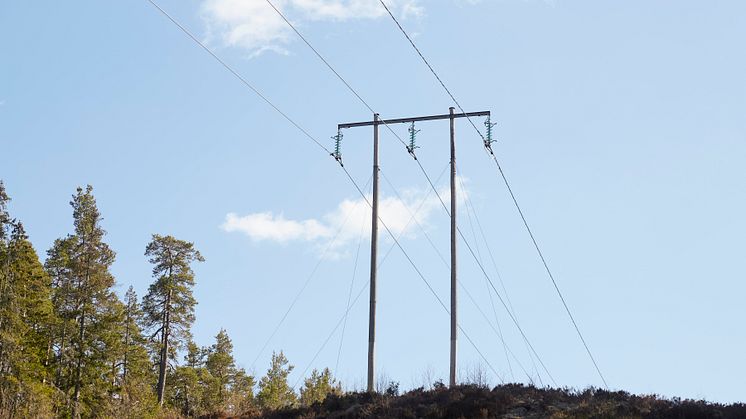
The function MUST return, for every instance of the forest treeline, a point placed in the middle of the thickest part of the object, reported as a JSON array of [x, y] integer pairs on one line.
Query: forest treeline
[[70, 347]]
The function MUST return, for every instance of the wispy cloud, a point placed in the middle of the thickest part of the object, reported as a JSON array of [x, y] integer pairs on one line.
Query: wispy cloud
[[342, 226], [255, 27]]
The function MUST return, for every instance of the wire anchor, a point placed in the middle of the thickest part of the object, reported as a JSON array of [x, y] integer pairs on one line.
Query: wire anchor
[[488, 139], [337, 154], [412, 139]]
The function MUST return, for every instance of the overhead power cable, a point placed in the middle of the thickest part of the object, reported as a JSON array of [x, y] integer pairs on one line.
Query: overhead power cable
[[238, 76], [497, 330], [419, 273], [333, 70], [427, 63], [306, 133], [515, 201], [383, 259], [470, 208], [486, 275], [305, 284], [309, 136], [395, 244], [349, 295], [422, 169], [549, 272], [469, 211]]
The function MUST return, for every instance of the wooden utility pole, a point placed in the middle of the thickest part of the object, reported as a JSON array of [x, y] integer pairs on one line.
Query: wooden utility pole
[[373, 264], [376, 122], [454, 311]]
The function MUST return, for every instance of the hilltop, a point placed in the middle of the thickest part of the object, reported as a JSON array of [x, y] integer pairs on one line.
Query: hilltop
[[507, 401]]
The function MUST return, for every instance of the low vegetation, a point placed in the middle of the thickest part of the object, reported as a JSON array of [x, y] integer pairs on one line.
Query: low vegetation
[[508, 401]]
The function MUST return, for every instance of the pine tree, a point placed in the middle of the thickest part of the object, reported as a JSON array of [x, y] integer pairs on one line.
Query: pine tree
[[190, 383], [231, 387], [274, 390], [25, 313], [134, 358], [221, 365], [169, 304], [58, 266], [242, 393], [86, 304], [318, 386], [132, 368]]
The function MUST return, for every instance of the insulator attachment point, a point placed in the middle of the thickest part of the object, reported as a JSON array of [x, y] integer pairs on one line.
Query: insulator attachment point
[[337, 154], [412, 140], [488, 138]]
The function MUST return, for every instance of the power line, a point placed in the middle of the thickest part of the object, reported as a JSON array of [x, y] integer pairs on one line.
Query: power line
[[432, 70], [342, 79], [305, 285], [549, 272], [484, 272], [329, 337], [470, 206], [463, 287], [388, 252], [349, 296], [515, 201], [238, 76], [396, 243], [308, 135], [284, 115], [333, 70], [319, 55], [469, 211], [419, 273]]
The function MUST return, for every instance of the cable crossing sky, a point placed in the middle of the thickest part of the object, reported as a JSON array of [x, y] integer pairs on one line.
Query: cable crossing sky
[[488, 145], [410, 147]]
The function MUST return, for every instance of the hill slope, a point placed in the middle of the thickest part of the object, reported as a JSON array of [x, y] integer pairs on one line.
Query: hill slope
[[508, 401]]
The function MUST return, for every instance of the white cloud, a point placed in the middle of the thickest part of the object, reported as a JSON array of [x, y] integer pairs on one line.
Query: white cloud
[[254, 26], [343, 225], [249, 24], [266, 226]]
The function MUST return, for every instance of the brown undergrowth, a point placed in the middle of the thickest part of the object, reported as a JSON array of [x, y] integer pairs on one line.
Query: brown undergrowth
[[507, 401]]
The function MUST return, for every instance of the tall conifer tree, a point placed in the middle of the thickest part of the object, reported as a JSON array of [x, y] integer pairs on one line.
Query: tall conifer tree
[[85, 301], [169, 304], [25, 315]]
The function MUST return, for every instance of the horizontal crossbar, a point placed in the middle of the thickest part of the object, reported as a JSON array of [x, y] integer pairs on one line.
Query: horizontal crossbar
[[415, 119]]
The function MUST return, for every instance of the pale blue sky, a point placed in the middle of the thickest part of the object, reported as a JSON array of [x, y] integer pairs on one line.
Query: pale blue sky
[[621, 127]]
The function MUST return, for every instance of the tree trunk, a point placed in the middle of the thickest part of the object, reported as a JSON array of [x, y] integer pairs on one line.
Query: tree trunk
[[126, 347], [79, 367], [63, 348], [164, 349]]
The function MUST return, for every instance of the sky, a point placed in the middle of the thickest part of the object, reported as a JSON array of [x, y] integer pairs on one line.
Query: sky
[[619, 125]]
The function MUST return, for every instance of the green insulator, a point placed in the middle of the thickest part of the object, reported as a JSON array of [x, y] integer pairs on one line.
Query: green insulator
[[337, 154], [412, 139], [488, 140]]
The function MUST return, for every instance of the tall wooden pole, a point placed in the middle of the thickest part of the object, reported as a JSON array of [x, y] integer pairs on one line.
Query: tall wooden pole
[[373, 264], [374, 236], [454, 323]]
